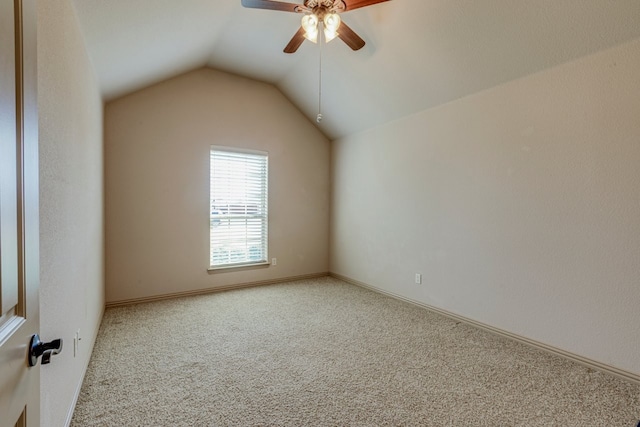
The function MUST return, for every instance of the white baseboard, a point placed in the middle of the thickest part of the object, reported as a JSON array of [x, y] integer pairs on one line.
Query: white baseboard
[[213, 290], [620, 373], [76, 395]]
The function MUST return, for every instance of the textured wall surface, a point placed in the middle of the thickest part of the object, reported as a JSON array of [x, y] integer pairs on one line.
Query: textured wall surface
[[520, 205], [71, 208], [157, 144]]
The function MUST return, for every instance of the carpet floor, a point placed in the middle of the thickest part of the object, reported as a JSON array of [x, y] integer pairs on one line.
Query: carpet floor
[[322, 352]]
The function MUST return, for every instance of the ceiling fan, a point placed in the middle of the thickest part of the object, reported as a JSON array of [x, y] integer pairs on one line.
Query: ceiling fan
[[320, 17]]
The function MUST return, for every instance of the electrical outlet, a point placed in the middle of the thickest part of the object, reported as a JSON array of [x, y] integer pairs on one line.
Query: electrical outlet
[[76, 343], [274, 261], [418, 278]]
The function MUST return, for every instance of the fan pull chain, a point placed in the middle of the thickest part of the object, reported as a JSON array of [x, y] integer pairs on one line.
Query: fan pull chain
[[319, 118]]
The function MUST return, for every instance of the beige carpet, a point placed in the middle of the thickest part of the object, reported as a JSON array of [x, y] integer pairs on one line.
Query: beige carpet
[[325, 353]]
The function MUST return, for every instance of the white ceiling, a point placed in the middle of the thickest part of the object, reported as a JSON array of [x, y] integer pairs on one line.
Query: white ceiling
[[419, 53]]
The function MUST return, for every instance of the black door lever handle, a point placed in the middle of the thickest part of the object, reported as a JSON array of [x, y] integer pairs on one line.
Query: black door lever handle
[[38, 348]]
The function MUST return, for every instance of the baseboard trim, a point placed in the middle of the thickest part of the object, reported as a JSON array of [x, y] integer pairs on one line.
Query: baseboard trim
[[76, 394], [611, 370], [213, 290]]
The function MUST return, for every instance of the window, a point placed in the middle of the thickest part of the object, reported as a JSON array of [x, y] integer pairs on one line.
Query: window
[[238, 224]]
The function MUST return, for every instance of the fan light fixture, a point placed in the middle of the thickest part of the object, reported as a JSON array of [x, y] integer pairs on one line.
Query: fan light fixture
[[331, 23], [321, 19], [310, 25]]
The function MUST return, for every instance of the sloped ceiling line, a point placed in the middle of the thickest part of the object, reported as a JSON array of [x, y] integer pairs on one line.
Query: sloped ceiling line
[[419, 53]]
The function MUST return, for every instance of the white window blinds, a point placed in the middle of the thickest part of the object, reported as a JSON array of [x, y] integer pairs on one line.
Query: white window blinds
[[238, 216]]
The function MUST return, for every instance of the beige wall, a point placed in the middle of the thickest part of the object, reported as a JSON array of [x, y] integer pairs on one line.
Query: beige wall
[[71, 208], [157, 183], [520, 205]]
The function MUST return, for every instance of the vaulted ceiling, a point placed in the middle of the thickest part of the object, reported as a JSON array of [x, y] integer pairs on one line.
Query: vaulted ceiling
[[419, 53]]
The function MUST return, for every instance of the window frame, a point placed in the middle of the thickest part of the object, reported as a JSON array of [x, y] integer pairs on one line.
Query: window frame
[[243, 264]]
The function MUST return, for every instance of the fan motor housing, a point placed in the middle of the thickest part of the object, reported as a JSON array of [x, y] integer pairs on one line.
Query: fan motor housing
[[335, 5]]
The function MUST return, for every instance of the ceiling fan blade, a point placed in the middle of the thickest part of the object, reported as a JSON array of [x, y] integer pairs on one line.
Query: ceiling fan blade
[[295, 42], [272, 5], [350, 37], [357, 4]]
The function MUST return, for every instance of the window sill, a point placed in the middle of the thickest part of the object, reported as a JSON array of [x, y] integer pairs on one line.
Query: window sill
[[236, 267]]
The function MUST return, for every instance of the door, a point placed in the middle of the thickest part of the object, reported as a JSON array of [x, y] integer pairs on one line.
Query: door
[[19, 384]]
